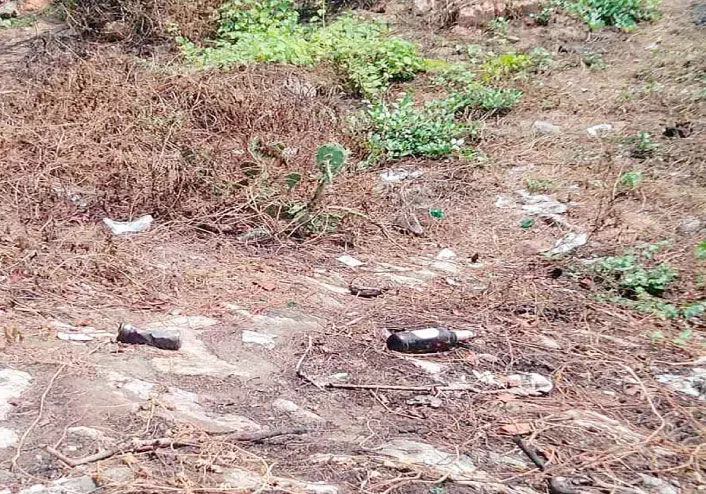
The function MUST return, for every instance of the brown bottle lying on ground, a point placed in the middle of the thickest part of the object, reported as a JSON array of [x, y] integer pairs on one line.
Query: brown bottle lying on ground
[[166, 339], [427, 340]]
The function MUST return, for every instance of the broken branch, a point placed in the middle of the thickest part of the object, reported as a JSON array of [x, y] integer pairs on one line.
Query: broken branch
[[143, 445]]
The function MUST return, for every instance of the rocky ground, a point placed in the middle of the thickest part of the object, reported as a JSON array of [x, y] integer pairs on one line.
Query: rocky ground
[[283, 382]]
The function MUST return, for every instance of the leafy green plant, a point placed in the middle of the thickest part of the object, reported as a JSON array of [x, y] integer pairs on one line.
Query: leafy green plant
[[643, 145], [507, 64], [17, 21], [499, 27], [631, 179], [635, 279], [624, 14], [700, 251], [543, 14], [481, 97], [402, 129], [365, 52]]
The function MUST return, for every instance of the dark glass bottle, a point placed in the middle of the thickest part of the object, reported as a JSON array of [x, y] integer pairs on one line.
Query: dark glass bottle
[[427, 340]]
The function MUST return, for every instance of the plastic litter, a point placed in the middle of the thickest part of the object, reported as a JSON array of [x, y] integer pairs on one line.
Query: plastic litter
[[598, 130], [141, 224]]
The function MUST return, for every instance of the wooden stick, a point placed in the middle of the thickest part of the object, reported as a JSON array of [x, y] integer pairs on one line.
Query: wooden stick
[[140, 445]]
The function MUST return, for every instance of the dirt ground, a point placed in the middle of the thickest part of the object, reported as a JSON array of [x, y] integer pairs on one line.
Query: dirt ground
[[283, 382]]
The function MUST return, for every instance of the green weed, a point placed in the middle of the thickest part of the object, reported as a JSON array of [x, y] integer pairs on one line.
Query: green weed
[[17, 21], [623, 14], [402, 129], [643, 145], [636, 280], [700, 251], [365, 52], [631, 180], [499, 27]]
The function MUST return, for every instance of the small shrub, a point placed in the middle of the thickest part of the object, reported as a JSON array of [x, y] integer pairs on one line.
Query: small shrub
[[700, 251], [499, 27], [634, 279], [505, 65], [631, 180], [643, 145], [364, 52], [624, 14], [543, 15], [402, 129], [478, 96]]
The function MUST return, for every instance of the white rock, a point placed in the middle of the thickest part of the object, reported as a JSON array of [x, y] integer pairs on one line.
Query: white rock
[[693, 385], [350, 261], [446, 255], [185, 407], [137, 387], [546, 128], [294, 410], [141, 224], [119, 474], [183, 322], [391, 176], [458, 467], [658, 486], [87, 433], [548, 342], [76, 485], [74, 336], [12, 384], [598, 130], [428, 366], [255, 338], [8, 437]]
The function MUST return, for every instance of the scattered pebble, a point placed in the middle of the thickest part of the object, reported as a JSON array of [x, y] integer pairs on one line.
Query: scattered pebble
[[445, 255], [12, 384], [599, 130], [350, 261], [8, 437], [656, 485], [141, 224], [546, 128], [294, 410], [398, 175], [547, 342], [255, 338]]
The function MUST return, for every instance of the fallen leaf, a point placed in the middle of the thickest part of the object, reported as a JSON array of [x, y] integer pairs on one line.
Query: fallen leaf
[[517, 429]]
